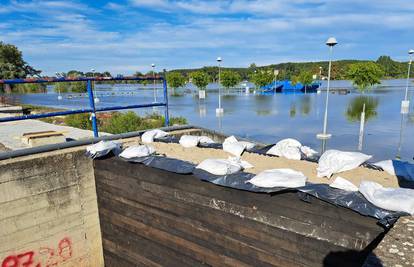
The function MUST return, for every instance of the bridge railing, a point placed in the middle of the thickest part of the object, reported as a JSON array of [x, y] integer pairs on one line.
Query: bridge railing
[[91, 109]]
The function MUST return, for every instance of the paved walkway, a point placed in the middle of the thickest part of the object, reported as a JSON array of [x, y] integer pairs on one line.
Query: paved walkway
[[11, 132]]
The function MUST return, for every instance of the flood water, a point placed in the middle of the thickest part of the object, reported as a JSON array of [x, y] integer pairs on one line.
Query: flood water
[[269, 118]]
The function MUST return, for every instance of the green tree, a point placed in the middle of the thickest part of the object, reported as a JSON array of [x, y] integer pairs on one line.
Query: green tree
[[230, 79], [175, 80], [305, 78], [200, 79], [365, 74], [29, 88], [262, 77], [12, 65]]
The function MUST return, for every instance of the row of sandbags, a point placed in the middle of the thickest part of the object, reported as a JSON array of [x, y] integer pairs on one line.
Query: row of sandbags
[[332, 161]]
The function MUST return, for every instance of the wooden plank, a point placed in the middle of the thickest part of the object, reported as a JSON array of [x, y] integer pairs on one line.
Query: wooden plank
[[274, 218], [186, 247], [262, 236], [147, 248], [217, 241], [190, 183]]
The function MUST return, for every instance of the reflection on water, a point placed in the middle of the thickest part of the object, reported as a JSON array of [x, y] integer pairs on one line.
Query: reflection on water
[[356, 106], [269, 118]]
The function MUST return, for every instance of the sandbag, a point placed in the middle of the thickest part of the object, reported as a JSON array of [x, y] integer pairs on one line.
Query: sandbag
[[244, 164], [102, 148], [137, 151], [386, 165], [279, 178], [189, 140], [344, 184], [335, 161], [233, 146], [308, 152], [394, 199], [288, 148], [219, 166], [205, 140], [148, 136], [247, 145]]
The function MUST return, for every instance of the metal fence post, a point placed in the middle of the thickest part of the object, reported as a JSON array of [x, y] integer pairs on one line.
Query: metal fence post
[[92, 104], [164, 83]]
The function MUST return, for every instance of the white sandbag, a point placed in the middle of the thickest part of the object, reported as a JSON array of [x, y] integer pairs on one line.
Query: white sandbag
[[395, 199], [279, 178], [335, 161], [247, 145], [102, 148], [386, 165], [189, 140], [219, 166], [231, 139], [344, 184], [205, 140], [233, 146], [244, 164], [148, 136], [308, 152], [288, 148], [137, 151]]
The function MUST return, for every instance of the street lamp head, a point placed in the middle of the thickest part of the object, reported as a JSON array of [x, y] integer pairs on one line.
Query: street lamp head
[[93, 70], [331, 41], [219, 59], [153, 65], [411, 51]]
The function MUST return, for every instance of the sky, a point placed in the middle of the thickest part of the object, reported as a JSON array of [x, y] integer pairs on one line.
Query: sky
[[128, 36]]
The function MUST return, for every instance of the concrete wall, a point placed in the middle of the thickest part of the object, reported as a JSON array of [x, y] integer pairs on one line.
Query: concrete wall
[[48, 211]]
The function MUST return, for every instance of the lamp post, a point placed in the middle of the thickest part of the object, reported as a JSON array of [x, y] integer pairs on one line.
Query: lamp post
[[59, 96], [96, 99], [153, 76], [331, 42], [405, 104], [219, 110]]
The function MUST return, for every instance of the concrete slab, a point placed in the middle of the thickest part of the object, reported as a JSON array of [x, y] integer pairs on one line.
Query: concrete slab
[[12, 132]]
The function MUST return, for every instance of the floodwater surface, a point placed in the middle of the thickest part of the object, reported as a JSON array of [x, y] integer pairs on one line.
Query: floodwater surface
[[269, 118]]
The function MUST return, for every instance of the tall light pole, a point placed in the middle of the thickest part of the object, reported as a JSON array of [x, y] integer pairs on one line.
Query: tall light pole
[[331, 42], [153, 76], [59, 96], [406, 103], [96, 99], [219, 110]]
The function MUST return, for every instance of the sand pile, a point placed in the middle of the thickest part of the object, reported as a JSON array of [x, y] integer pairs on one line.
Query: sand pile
[[261, 163]]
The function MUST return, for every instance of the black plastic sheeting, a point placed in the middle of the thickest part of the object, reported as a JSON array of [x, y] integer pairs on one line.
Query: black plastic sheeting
[[351, 200], [163, 163]]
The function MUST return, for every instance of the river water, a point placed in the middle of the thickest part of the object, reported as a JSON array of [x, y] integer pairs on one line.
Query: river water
[[269, 118]]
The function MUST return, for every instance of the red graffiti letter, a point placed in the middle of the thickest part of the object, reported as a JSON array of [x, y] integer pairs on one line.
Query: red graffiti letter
[[10, 261], [26, 259], [65, 248]]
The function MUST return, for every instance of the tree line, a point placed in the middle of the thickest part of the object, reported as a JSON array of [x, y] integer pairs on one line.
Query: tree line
[[13, 66]]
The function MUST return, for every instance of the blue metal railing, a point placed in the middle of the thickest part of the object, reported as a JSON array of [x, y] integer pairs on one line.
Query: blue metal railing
[[92, 109]]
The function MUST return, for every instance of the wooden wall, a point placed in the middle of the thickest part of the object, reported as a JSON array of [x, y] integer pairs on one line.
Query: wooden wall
[[150, 217]]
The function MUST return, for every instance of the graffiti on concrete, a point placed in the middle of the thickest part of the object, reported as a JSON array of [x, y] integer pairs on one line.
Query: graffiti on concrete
[[43, 257]]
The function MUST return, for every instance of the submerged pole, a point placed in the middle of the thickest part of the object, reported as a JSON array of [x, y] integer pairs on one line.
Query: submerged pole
[[361, 129], [331, 42], [166, 112]]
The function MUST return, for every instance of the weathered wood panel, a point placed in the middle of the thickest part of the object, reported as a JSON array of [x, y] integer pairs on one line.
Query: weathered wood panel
[[151, 217]]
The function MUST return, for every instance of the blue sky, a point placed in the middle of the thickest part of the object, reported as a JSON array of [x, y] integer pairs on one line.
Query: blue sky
[[128, 36]]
